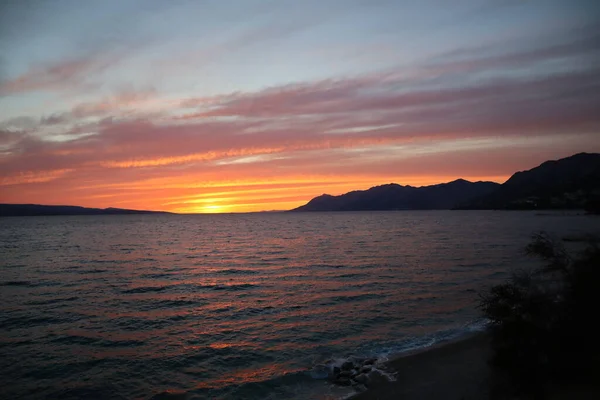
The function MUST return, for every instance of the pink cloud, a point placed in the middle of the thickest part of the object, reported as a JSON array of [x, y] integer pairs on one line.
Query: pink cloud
[[74, 73], [386, 125], [583, 47], [518, 108], [356, 96]]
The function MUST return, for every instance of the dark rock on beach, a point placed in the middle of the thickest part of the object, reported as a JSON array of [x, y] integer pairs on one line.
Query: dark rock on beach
[[346, 374], [361, 373], [347, 366], [343, 381], [362, 378]]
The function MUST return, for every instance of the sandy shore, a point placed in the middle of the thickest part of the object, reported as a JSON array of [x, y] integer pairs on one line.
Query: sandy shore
[[456, 370]]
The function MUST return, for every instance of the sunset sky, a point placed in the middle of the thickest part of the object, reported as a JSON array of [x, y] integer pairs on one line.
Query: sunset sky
[[248, 105]]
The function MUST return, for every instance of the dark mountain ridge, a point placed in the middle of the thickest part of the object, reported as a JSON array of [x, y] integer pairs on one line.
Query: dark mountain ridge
[[397, 197], [26, 210], [569, 183]]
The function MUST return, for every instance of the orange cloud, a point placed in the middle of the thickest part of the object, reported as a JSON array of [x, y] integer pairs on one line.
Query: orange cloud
[[33, 177], [277, 148]]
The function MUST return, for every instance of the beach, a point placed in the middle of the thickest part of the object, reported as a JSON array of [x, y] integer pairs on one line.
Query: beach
[[456, 370]]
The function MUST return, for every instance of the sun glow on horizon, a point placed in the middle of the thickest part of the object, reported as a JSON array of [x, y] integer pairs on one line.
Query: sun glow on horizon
[[236, 112], [208, 209], [243, 200]]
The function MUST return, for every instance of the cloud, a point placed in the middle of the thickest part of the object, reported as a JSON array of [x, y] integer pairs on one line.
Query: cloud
[[459, 78], [33, 177], [300, 118], [584, 48], [75, 73], [563, 99], [55, 119], [443, 119], [8, 138], [122, 101], [50, 77], [19, 123]]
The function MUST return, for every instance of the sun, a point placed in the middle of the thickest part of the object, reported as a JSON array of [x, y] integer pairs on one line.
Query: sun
[[212, 209], [207, 207]]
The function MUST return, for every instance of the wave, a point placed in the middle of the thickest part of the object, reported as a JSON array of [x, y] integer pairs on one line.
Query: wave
[[422, 342], [234, 271], [19, 283], [156, 276], [218, 287], [15, 343], [28, 322], [347, 298], [354, 275], [14, 265], [292, 384], [95, 261], [56, 370], [327, 266], [145, 289], [234, 287], [51, 301], [173, 303], [92, 271], [86, 391], [96, 342]]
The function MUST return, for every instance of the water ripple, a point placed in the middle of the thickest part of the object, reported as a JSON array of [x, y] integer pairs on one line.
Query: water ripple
[[238, 306]]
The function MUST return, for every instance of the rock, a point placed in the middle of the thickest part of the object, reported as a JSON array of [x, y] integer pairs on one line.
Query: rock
[[376, 378], [345, 374], [360, 387], [357, 360], [370, 361], [365, 369], [347, 366], [343, 381], [362, 378], [336, 371]]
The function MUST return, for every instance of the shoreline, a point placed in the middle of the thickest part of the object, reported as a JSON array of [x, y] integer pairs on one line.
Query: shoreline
[[456, 369]]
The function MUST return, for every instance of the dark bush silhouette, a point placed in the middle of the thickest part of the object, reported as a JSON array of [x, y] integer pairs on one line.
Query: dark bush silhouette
[[543, 321]]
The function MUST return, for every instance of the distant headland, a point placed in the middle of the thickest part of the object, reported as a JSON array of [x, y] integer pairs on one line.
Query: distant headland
[[27, 210], [568, 183]]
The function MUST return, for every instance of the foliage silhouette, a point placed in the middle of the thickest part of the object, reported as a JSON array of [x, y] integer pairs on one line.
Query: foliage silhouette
[[543, 325]]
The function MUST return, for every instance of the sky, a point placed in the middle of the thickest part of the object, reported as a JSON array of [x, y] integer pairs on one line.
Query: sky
[[250, 105]]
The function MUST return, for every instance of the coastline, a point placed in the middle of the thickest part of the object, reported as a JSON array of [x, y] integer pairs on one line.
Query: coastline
[[452, 370], [456, 370]]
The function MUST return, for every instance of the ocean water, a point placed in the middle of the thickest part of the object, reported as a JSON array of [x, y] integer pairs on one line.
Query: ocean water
[[240, 306]]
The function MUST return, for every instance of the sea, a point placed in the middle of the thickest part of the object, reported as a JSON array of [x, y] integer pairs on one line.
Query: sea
[[242, 306]]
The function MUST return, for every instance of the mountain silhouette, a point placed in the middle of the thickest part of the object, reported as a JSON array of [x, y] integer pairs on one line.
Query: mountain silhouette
[[397, 197], [568, 183], [571, 182], [26, 210]]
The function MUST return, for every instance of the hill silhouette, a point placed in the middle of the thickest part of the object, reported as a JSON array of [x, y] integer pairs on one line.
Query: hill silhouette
[[397, 197], [26, 210], [572, 182]]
